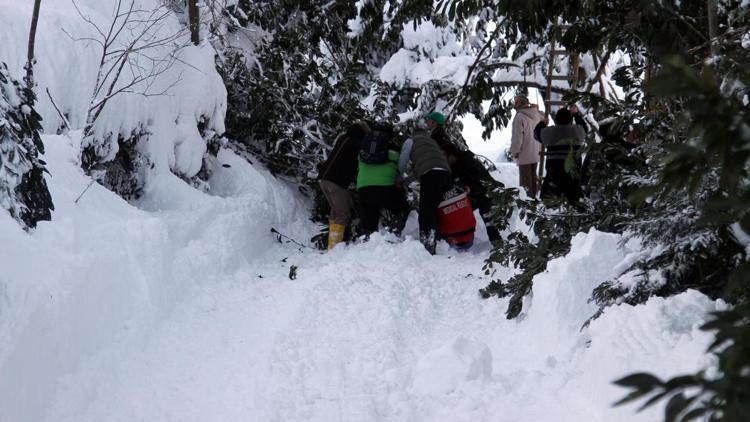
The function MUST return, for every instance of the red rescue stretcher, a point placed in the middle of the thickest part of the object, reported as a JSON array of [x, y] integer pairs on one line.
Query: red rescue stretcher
[[456, 222]]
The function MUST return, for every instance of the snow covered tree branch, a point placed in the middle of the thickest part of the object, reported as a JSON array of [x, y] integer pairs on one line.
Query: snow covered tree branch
[[134, 54]]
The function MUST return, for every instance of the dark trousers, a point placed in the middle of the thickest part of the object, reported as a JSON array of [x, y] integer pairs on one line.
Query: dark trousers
[[560, 183], [484, 205], [373, 200], [433, 185], [527, 178]]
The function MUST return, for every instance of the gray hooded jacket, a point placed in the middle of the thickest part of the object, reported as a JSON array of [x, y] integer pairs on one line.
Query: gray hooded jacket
[[424, 153]]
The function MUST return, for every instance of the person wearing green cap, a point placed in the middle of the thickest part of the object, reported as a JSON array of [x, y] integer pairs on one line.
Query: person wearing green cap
[[431, 167], [436, 124], [437, 117]]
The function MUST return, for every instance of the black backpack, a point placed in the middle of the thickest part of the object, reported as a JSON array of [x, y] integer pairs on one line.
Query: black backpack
[[374, 147]]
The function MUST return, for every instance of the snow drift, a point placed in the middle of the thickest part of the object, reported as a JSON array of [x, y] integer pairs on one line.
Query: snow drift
[[103, 270], [184, 310]]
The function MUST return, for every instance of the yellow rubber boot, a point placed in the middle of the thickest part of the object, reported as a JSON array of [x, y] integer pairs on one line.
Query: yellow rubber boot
[[335, 234], [331, 222]]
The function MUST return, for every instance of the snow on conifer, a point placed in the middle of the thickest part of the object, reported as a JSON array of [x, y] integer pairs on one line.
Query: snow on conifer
[[23, 190]]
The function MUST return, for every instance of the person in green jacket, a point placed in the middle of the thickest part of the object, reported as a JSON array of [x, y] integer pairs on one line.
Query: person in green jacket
[[377, 191]]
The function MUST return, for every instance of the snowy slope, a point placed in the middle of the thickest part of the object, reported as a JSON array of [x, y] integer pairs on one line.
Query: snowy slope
[[184, 310], [103, 269]]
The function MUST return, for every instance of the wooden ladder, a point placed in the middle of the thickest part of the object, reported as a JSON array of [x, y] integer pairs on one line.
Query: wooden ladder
[[572, 77]]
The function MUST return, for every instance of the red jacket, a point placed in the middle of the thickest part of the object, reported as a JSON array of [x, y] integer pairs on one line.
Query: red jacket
[[456, 221]]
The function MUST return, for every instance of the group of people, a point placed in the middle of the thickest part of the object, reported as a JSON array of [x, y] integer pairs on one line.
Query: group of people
[[562, 141], [452, 183]]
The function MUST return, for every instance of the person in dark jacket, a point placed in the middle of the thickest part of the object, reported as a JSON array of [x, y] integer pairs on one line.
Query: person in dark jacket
[[335, 176], [471, 173], [563, 142], [577, 118], [431, 167]]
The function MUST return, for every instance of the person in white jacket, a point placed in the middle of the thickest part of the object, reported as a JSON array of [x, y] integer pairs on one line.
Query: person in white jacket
[[523, 147]]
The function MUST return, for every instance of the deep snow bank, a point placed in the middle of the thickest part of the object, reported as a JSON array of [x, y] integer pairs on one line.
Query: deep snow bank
[[185, 310], [103, 270]]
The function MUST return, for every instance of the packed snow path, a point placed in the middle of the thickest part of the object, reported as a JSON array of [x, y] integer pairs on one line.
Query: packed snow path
[[194, 317]]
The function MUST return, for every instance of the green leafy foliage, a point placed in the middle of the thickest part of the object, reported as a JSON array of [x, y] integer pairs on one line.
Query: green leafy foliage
[[671, 168], [697, 197], [125, 173], [548, 231], [307, 75], [287, 98], [292, 85]]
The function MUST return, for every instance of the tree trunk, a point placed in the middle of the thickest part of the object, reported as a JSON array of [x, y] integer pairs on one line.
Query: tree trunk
[[194, 22], [712, 27], [32, 40]]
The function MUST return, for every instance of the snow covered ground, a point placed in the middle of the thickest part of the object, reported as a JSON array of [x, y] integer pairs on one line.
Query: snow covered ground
[[183, 309]]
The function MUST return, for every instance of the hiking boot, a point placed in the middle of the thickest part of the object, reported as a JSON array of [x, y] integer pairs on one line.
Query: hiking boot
[[335, 234], [429, 240], [493, 234], [395, 221]]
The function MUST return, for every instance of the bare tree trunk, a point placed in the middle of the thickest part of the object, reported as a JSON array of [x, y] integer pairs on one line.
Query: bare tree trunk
[[599, 72], [194, 22], [32, 40], [712, 27]]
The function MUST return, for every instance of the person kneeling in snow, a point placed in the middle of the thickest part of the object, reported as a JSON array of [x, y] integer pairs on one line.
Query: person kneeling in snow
[[336, 174], [472, 174], [432, 168], [376, 182], [456, 220]]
